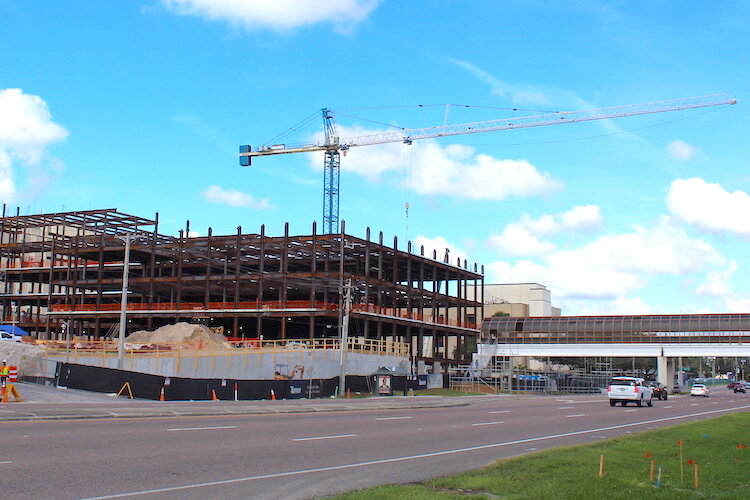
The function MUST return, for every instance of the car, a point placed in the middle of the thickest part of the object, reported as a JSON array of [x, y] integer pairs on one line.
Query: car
[[624, 390], [699, 390], [10, 337], [659, 390]]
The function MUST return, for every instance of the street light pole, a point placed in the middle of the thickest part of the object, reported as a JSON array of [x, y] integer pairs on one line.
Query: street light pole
[[123, 305]]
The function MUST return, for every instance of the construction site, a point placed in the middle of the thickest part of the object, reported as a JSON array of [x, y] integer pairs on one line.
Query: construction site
[[240, 307]]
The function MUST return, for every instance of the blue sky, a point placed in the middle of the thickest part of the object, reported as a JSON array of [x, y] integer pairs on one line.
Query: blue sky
[[141, 105]]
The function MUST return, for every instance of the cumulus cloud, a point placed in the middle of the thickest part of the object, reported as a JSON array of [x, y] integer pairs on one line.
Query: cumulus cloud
[[26, 130], [613, 265], [681, 150], [234, 198], [524, 237], [620, 305], [718, 283], [278, 15], [709, 206], [453, 170]]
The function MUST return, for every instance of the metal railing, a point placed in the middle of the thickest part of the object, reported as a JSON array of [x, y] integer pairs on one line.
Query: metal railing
[[108, 349]]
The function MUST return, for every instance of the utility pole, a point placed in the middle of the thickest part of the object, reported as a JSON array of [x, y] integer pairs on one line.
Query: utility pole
[[345, 335], [123, 305]]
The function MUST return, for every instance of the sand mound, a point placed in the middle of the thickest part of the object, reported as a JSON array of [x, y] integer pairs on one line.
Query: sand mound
[[28, 358], [182, 335]]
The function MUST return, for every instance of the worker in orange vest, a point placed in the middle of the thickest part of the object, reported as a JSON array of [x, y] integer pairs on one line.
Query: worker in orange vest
[[4, 371]]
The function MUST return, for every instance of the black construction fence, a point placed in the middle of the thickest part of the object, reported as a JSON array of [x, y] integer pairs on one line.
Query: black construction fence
[[148, 386]]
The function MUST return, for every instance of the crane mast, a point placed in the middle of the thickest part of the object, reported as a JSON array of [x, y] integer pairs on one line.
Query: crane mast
[[332, 144]]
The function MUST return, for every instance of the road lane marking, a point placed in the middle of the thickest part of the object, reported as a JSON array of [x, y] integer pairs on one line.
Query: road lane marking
[[631, 410], [667, 407], [566, 407], [488, 423], [577, 415], [204, 428], [500, 411], [409, 457], [531, 449], [392, 418], [6, 462], [324, 437]]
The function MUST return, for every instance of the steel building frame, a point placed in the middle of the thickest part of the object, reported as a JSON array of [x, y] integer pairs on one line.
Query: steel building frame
[[64, 271]]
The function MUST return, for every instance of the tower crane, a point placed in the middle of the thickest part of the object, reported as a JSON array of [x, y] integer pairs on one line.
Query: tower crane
[[333, 145]]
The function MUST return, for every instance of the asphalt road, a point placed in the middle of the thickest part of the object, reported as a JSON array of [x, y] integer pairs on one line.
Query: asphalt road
[[307, 455]]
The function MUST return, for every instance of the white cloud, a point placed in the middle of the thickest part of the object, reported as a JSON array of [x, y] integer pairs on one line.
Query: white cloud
[[234, 198], [26, 130], [440, 244], [278, 15], [717, 283], [620, 305], [709, 206], [613, 265], [681, 150], [517, 94], [517, 240], [453, 170], [524, 237]]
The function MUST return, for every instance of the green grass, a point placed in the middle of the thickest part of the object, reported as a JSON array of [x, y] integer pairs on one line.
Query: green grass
[[445, 392], [573, 472]]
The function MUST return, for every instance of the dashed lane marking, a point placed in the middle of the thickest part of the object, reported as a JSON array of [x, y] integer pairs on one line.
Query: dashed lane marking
[[324, 437], [500, 411], [577, 415], [488, 423], [204, 428], [392, 418]]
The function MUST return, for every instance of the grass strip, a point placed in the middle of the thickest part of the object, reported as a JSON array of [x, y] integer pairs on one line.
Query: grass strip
[[717, 445]]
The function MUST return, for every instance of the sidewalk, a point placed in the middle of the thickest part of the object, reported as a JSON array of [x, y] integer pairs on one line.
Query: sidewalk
[[51, 403]]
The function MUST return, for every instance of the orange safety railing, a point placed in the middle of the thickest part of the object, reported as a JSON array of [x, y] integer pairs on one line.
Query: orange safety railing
[[265, 305]]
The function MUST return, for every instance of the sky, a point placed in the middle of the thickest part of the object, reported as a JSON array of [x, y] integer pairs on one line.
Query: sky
[[140, 105]]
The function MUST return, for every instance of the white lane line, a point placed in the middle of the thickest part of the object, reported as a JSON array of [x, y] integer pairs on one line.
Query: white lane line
[[531, 449], [488, 423], [409, 457], [6, 462], [204, 428], [631, 410], [500, 411], [694, 404], [392, 418], [667, 407], [566, 407], [577, 415], [324, 437]]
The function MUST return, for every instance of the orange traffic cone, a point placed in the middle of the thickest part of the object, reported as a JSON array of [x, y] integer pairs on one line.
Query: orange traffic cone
[[4, 395], [161, 395], [273, 395], [213, 395]]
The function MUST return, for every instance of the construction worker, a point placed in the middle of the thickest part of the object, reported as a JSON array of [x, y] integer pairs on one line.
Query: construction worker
[[4, 371]]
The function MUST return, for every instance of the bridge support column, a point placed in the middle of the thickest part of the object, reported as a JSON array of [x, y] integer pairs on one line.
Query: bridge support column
[[665, 372]]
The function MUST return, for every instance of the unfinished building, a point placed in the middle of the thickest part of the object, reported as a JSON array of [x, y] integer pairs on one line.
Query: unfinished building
[[73, 273]]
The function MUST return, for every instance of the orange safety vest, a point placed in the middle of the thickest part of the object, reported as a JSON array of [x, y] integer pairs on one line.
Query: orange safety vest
[[4, 370]]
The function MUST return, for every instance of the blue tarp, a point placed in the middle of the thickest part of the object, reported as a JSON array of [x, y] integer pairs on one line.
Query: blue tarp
[[13, 329]]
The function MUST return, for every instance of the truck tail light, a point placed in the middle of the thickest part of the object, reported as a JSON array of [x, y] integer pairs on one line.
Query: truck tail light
[[637, 389], [609, 388]]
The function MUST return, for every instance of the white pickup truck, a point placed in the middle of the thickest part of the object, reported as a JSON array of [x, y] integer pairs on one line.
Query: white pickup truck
[[624, 390]]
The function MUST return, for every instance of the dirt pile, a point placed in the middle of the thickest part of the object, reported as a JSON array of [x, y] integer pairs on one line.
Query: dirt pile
[[28, 358], [180, 335]]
